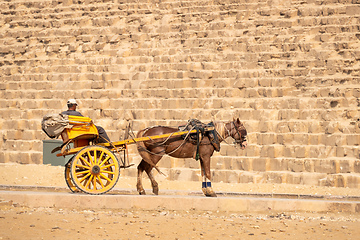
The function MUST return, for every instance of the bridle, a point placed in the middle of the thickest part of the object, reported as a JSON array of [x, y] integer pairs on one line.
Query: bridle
[[241, 138]]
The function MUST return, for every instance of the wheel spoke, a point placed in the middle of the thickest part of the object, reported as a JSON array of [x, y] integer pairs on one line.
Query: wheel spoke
[[86, 176], [106, 166], [102, 163], [79, 172], [89, 181], [95, 157], [82, 166], [99, 181], [83, 159], [108, 172], [101, 156], [105, 177], [91, 159], [94, 182]]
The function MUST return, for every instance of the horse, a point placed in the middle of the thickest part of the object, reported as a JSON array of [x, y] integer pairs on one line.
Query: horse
[[179, 147]]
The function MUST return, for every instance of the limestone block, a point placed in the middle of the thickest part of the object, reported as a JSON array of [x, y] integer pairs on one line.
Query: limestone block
[[268, 139], [177, 162], [263, 126], [309, 165], [352, 10], [227, 163], [296, 165], [15, 134], [340, 152], [311, 178], [282, 127], [236, 163], [289, 152], [251, 93], [218, 176], [4, 157], [345, 166], [352, 181], [35, 158], [357, 166], [232, 177], [277, 164], [252, 150], [259, 164], [332, 140], [327, 181], [247, 177], [285, 139], [314, 139], [325, 166], [165, 162], [298, 127], [301, 152], [353, 139], [267, 151], [293, 178], [288, 114], [217, 163], [314, 127], [274, 177], [192, 163], [245, 83], [340, 180], [314, 152]]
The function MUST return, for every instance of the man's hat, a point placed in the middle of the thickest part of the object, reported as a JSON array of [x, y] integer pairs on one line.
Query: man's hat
[[71, 101]]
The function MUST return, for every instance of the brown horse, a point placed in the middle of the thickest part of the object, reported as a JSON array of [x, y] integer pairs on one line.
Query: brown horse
[[178, 147]]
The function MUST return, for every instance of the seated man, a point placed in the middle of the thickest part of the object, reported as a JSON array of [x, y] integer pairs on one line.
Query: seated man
[[71, 103]]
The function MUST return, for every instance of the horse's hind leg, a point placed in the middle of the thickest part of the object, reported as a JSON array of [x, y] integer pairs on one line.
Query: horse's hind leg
[[154, 184], [139, 185], [144, 166]]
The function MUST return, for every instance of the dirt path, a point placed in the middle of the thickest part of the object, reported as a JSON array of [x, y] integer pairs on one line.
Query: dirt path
[[17, 222]]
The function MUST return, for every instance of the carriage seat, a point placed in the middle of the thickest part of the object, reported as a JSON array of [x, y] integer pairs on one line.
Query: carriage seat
[[83, 130]]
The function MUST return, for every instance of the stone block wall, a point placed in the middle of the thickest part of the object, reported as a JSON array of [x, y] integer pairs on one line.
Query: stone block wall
[[290, 70]]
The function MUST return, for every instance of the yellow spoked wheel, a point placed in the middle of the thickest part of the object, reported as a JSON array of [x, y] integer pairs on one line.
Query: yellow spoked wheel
[[95, 170]]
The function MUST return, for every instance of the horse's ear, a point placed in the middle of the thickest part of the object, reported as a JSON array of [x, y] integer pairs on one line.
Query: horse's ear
[[237, 120]]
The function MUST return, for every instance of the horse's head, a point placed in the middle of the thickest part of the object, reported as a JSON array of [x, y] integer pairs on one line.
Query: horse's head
[[238, 132]]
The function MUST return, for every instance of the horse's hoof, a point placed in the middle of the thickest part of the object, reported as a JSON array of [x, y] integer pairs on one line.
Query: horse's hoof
[[156, 190], [142, 192], [204, 191], [209, 192], [211, 195]]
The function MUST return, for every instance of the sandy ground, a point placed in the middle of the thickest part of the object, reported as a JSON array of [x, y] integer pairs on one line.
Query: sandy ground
[[53, 176], [17, 222]]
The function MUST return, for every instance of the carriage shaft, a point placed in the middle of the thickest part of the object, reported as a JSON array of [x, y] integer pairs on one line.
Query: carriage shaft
[[121, 144]]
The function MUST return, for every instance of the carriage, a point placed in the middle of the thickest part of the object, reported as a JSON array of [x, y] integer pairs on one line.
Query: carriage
[[94, 167]]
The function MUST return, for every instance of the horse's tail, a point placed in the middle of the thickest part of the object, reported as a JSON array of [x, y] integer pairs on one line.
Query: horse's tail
[[144, 152]]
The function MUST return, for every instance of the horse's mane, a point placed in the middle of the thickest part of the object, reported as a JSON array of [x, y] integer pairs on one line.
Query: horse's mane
[[220, 128]]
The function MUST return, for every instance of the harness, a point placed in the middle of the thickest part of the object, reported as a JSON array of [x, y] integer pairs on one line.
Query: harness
[[200, 133]]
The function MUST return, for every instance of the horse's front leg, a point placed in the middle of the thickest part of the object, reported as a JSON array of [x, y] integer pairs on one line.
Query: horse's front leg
[[206, 176], [139, 185]]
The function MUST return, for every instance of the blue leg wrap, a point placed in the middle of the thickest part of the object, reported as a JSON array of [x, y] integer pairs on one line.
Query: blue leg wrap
[[208, 184], [203, 184]]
